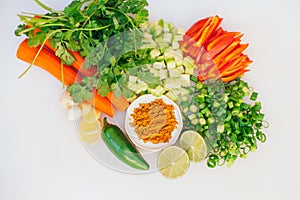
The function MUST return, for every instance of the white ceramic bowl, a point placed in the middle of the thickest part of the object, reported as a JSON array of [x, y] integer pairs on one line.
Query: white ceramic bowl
[[149, 145]]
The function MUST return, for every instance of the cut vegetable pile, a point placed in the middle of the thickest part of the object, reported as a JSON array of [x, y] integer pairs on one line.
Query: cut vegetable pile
[[107, 54]]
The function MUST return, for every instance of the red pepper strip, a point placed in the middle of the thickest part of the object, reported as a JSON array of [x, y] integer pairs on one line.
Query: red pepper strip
[[213, 72], [197, 35], [218, 32], [203, 68], [224, 38], [206, 34], [238, 68], [193, 51], [236, 52], [220, 43], [226, 52], [213, 29], [233, 64], [196, 26], [187, 42], [201, 77], [230, 78]]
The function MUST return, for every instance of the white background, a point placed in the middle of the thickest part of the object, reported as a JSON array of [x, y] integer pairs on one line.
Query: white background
[[41, 157]]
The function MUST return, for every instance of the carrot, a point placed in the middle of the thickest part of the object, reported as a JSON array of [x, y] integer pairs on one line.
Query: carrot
[[52, 64], [120, 103], [78, 64], [102, 104], [47, 61]]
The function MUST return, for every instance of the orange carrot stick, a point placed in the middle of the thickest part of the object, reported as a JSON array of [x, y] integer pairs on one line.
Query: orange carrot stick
[[47, 61], [120, 103], [102, 104], [78, 64], [52, 64]]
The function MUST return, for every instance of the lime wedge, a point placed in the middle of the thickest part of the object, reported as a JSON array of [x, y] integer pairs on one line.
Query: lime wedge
[[193, 143], [173, 162]]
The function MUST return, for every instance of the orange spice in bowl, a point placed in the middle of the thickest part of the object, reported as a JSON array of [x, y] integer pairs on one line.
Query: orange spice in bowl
[[154, 121]]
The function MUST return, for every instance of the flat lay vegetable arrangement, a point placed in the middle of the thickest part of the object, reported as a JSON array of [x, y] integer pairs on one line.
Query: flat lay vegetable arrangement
[[107, 54]]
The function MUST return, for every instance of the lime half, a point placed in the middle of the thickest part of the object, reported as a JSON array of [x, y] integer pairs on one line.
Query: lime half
[[193, 143], [173, 162]]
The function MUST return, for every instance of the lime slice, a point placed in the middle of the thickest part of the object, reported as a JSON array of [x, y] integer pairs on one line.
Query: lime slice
[[92, 117], [193, 143], [89, 139], [173, 162], [89, 133], [89, 129]]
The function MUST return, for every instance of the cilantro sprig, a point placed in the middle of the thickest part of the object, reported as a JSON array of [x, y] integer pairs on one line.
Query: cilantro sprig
[[82, 25]]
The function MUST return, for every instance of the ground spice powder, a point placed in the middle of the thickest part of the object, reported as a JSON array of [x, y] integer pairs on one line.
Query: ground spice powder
[[154, 122]]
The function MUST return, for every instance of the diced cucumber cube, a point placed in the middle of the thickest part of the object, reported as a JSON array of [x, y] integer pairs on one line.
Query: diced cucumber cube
[[155, 53], [158, 91], [174, 73], [159, 65], [180, 69], [169, 53], [131, 99], [176, 91], [163, 74], [188, 61], [180, 31], [148, 46], [183, 92], [172, 83], [132, 86], [171, 64], [168, 37], [163, 45], [175, 45], [178, 37], [178, 60], [172, 96], [141, 88], [189, 70], [155, 72], [185, 80]]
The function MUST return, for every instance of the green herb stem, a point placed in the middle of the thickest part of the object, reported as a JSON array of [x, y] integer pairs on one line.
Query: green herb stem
[[46, 7]]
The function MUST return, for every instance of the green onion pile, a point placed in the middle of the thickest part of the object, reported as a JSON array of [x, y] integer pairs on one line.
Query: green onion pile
[[227, 115]]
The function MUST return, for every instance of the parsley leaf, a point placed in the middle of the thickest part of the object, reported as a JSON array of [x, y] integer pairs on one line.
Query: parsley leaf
[[36, 39]]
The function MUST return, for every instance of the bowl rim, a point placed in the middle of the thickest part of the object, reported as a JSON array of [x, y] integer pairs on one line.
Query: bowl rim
[[147, 98]]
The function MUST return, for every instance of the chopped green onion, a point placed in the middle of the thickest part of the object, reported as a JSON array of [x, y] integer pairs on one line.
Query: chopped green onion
[[194, 79], [253, 96]]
